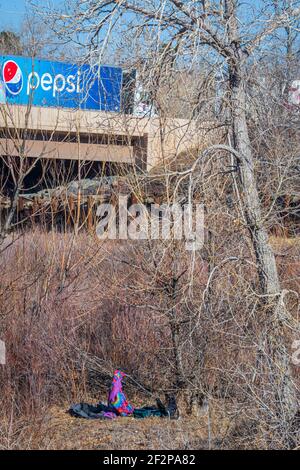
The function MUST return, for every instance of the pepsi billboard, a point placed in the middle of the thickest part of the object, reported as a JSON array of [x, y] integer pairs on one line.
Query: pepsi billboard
[[57, 84]]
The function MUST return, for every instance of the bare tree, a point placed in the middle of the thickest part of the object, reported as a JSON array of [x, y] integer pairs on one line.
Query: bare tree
[[10, 43], [221, 33]]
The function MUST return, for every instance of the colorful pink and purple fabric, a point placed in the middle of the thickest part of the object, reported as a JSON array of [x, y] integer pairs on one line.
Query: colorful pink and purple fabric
[[117, 398]]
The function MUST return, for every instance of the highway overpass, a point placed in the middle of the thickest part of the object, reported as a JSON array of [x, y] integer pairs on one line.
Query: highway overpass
[[60, 133]]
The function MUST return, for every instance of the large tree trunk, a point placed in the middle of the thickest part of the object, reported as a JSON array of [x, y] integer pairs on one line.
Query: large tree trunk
[[266, 264], [278, 379]]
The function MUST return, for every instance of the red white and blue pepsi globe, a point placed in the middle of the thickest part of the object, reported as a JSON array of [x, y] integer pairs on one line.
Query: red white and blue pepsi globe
[[12, 77]]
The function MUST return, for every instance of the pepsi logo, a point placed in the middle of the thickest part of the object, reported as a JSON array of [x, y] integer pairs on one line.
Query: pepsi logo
[[12, 77]]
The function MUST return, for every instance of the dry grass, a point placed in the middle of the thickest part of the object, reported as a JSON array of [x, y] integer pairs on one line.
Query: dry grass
[[56, 429], [65, 432], [71, 312]]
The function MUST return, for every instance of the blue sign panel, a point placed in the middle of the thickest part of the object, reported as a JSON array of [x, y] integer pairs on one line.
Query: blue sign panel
[[47, 83]]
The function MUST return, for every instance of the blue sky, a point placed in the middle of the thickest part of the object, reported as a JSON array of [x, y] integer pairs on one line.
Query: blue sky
[[12, 12]]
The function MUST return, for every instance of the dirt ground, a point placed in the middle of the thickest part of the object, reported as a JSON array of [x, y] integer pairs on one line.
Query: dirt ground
[[65, 432], [56, 429], [221, 426]]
